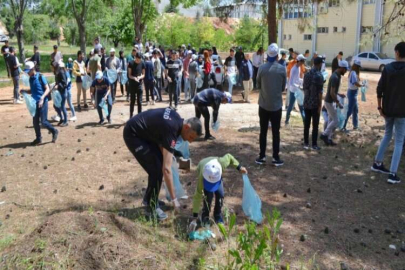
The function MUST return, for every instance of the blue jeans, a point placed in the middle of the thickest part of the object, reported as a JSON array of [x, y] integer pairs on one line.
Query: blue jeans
[[100, 95], [41, 114], [69, 100], [291, 106], [16, 84], [353, 108], [390, 124], [62, 112], [219, 200], [186, 88]]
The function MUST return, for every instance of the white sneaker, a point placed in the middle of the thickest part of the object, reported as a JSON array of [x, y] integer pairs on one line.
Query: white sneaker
[[55, 118], [74, 118], [17, 101]]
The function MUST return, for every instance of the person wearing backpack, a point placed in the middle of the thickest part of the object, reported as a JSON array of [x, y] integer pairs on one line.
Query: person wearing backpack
[[40, 91], [61, 84], [210, 185]]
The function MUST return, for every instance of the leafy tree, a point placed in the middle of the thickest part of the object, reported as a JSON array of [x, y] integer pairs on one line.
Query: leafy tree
[[36, 28], [204, 33], [248, 34], [119, 27]]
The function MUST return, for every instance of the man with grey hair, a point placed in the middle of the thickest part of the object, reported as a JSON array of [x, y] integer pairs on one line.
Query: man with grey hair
[[271, 81], [151, 137]]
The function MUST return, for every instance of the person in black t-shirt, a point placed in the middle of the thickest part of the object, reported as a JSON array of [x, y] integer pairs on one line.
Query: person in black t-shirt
[[173, 71], [136, 73], [151, 137], [13, 66], [102, 61], [36, 59]]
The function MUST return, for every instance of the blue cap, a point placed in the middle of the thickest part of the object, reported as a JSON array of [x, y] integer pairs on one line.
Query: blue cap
[[212, 187]]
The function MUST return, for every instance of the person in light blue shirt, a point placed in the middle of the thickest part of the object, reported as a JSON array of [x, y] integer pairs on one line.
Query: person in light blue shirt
[[246, 70]]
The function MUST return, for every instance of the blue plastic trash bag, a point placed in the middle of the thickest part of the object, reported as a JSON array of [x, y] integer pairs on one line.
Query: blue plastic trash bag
[[103, 105], [31, 104], [199, 82], [86, 82], [299, 96], [112, 75], [201, 235], [25, 79], [251, 203], [342, 113], [215, 126], [124, 77], [364, 91], [233, 79], [183, 147], [178, 188], [57, 98], [325, 75]]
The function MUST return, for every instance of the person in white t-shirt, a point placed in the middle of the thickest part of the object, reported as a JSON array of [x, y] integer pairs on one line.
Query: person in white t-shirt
[[294, 84]]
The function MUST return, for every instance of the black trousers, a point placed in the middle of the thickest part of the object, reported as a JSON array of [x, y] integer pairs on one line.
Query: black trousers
[[149, 85], [203, 110], [122, 88], [314, 115], [219, 201], [255, 70], [275, 118], [135, 92], [150, 158]]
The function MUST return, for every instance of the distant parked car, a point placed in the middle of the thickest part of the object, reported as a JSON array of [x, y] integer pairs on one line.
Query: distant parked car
[[373, 60]]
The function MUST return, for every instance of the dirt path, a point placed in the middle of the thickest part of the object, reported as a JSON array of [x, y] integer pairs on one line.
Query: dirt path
[[62, 201]]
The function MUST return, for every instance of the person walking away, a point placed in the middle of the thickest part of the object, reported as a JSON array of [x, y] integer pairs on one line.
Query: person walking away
[[13, 65], [313, 88], [101, 86], [5, 51], [149, 78], [172, 72], [39, 90], [331, 97], [122, 69], [193, 71], [136, 74], [239, 56], [271, 81], [157, 73], [258, 60], [352, 92], [210, 184], [113, 63], [391, 100], [294, 84], [336, 60], [206, 70], [186, 76], [151, 137], [61, 84], [79, 72], [247, 72], [36, 58], [69, 67], [210, 98], [230, 69]]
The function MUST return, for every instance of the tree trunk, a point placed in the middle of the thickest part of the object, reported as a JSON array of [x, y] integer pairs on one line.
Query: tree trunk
[[82, 37], [20, 39], [272, 20]]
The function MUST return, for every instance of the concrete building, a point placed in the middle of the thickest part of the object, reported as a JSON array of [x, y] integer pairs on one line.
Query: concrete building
[[246, 8], [336, 25]]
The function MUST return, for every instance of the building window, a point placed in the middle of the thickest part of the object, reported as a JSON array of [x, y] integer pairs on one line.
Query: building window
[[335, 29], [285, 37], [323, 30], [334, 3], [297, 9], [289, 37], [343, 29], [368, 2], [366, 29], [307, 37]]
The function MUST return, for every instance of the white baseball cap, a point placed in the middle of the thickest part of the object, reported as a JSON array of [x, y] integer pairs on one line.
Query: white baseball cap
[[272, 50], [212, 175], [301, 57], [99, 75], [357, 62], [228, 96], [70, 59], [28, 66], [344, 64], [61, 64], [112, 50]]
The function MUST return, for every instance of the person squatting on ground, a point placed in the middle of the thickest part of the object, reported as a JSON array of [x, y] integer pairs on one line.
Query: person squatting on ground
[[173, 72], [271, 81], [210, 98], [332, 97], [40, 91], [151, 137], [79, 71], [294, 84], [391, 100], [101, 86], [136, 74], [352, 92], [313, 88], [247, 73], [210, 184]]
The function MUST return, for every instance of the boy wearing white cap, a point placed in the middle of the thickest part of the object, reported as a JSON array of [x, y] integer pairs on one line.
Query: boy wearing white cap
[[210, 184], [101, 87]]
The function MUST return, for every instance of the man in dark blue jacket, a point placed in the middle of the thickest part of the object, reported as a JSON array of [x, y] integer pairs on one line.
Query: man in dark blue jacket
[[246, 72], [148, 80], [391, 100]]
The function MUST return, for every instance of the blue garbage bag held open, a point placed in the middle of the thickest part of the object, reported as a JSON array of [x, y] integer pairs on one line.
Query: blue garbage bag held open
[[25, 79], [178, 188], [103, 105], [31, 103], [124, 77], [364, 91], [201, 235], [57, 98], [183, 147], [251, 203], [86, 82], [342, 113], [215, 126], [112, 75]]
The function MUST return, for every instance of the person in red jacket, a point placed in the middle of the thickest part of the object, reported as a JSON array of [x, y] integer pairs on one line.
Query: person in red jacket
[[207, 69]]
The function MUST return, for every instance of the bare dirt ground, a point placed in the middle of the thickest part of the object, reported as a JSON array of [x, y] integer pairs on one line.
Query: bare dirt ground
[[76, 204]]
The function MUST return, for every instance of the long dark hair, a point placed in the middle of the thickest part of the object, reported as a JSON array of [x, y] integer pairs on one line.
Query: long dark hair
[[356, 68]]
